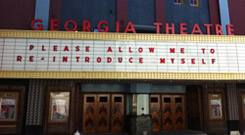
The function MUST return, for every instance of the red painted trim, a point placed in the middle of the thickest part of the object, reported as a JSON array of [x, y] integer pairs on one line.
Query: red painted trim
[[161, 13], [236, 9], [55, 10], [214, 13], [122, 14]]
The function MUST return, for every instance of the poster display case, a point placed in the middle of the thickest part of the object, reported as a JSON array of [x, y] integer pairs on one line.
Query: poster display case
[[215, 106], [8, 106], [59, 106]]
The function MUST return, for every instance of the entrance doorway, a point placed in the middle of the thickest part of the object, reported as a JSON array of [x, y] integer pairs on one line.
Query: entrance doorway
[[103, 113], [168, 112], [59, 115]]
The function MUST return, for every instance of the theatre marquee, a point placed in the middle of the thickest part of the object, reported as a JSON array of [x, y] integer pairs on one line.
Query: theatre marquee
[[35, 54]]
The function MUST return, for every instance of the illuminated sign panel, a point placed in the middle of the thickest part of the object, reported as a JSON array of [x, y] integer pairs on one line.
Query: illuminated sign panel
[[125, 56]]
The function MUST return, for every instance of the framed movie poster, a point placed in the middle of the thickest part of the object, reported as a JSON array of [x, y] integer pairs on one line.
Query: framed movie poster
[[215, 106], [8, 106], [59, 106]]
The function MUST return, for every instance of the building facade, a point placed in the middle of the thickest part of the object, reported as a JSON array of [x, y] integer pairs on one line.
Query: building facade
[[125, 67]]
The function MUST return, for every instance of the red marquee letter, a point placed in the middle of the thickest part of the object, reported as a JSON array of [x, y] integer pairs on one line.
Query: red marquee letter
[[39, 26], [193, 61], [183, 61], [203, 62], [130, 60], [19, 58], [120, 59], [87, 59], [140, 60], [77, 59], [157, 26], [208, 26], [109, 49], [65, 59], [196, 30], [140, 49], [130, 28], [230, 29], [172, 59], [172, 50], [74, 25], [98, 59], [106, 29], [170, 28], [109, 59], [151, 50], [120, 49], [87, 48], [43, 49], [55, 48], [213, 60], [182, 50], [218, 29], [86, 26], [31, 47], [66, 49], [203, 50], [77, 48], [183, 29], [162, 60], [54, 24], [31, 58], [130, 50]]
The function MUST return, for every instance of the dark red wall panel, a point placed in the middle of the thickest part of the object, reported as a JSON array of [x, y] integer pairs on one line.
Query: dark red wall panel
[[16, 14], [55, 9], [214, 12], [161, 13], [122, 13], [237, 12]]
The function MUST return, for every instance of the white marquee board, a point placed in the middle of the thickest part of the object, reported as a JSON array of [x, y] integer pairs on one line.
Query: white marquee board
[[124, 56]]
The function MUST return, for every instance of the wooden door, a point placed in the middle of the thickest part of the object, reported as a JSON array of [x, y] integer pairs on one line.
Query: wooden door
[[117, 113], [243, 111], [89, 113], [96, 113], [103, 113], [167, 113], [194, 107], [173, 112], [155, 112], [178, 112]]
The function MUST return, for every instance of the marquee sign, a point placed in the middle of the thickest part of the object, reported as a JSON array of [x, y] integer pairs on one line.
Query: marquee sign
[[34, 54]]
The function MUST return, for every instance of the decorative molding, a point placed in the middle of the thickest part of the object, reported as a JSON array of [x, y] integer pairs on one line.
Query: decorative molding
[[119, 36], [120, 75]]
